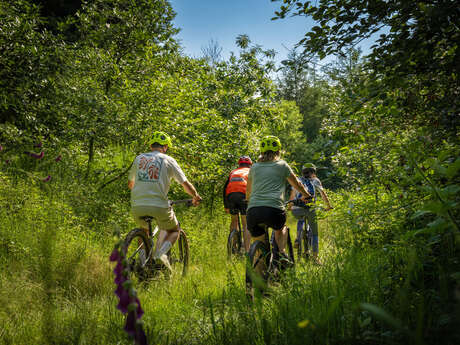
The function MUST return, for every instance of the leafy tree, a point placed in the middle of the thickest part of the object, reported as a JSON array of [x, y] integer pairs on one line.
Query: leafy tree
[[294, 75], [30, 59], [125, 27], [212, 52], [416, 53]]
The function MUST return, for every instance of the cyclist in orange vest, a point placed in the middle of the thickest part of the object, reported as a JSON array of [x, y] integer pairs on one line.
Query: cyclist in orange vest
[[235, 197]]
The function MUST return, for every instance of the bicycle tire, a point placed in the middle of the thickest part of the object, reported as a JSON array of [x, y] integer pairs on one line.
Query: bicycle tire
[[290, 247], [233, 243], [300, 246], [131, 249], [307, 242], [179, 254], [257, 267]]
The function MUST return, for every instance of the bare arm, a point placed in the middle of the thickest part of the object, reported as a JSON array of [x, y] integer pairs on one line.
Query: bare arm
[[130, 184], [326, 199], [294, 182], [190, 190], [292, 195], [248, 189]]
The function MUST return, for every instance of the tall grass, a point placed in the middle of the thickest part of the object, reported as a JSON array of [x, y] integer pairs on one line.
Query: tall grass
[[56, 283]]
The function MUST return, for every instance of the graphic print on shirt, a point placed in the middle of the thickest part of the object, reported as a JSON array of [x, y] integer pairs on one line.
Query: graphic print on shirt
[[149, 168]]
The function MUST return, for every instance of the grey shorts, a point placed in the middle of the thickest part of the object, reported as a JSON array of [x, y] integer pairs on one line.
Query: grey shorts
[[165, 217]]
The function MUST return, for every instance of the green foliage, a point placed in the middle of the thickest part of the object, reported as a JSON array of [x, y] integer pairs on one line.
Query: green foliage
[[29, 61], [416, 59], [95, 87]]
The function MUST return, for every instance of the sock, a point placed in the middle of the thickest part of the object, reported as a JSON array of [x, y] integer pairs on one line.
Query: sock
[[164, 249]]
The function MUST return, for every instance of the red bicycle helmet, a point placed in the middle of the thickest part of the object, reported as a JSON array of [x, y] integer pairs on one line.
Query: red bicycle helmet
[[245, 160]]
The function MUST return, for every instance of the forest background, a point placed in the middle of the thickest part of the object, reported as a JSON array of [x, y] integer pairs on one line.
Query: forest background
[[84, 83]]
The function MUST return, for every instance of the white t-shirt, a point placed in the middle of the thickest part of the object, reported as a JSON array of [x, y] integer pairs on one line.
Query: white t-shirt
[[152, 173]]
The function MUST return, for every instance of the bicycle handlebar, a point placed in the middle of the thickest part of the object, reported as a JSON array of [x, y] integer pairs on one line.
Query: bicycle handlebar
[[187, 202], [294, 201]]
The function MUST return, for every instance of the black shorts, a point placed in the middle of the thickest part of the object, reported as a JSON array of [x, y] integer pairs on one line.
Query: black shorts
[[270, 216], [237, 203]]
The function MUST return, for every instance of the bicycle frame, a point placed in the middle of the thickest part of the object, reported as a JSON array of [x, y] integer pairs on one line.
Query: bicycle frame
[[232, 240], [153, 232], [240, 231], [272, 250]]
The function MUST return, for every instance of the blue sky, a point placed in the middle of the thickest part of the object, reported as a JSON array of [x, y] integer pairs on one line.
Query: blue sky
[[223, 20]]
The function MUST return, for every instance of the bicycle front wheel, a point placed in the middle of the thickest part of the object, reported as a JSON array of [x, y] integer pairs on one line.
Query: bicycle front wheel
[[137, 250], [257, 267], [233, 243], [179, 253]]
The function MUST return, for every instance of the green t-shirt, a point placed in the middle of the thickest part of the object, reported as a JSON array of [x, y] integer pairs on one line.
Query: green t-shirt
[[268, 184]]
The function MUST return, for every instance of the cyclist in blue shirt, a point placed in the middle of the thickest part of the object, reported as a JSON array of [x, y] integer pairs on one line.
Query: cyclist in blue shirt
[[313, 185]]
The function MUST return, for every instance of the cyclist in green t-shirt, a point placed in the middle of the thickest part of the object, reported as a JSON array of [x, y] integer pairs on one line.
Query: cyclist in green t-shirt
[[265, 192]]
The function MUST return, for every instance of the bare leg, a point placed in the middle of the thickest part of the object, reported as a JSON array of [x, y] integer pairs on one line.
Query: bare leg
[[246, 234], [281, 239], [142, 253], [165, 236], [160, 240], [259, 238], [234, 222]]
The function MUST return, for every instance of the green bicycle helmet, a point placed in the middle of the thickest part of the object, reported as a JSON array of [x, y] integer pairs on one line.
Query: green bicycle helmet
[[309, 166], [161, 138], [270, 143]]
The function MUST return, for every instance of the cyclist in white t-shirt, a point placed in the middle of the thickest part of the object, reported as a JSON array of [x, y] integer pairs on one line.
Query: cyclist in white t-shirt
[[149, 180]]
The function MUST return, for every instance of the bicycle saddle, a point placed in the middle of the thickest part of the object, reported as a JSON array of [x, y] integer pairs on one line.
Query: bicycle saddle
[[147, 218]]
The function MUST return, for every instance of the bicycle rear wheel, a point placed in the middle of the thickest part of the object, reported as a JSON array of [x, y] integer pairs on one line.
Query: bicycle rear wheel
[[137, 250], [290, 247], [233, 243], [257, 267], [307, 241], [179, 253], [300, 246]]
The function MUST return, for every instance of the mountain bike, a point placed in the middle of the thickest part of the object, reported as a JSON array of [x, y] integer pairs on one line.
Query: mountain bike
[[305, 243], [235, 241], [265, 262], [138, 248]]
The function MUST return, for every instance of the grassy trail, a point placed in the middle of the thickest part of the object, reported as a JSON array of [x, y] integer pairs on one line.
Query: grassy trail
[[56, 285]]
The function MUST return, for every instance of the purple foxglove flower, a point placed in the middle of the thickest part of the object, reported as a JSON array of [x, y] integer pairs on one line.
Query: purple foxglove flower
[[35, 155], [40, 144], [139, 311], [58, 158], [1, 148], [125, 300], [120, 278], [115, 256], [7, 161], [119, 291], [127, 303], [47, 178]]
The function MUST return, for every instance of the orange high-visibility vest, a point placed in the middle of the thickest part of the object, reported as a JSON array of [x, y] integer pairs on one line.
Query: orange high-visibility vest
[[237, 181]]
